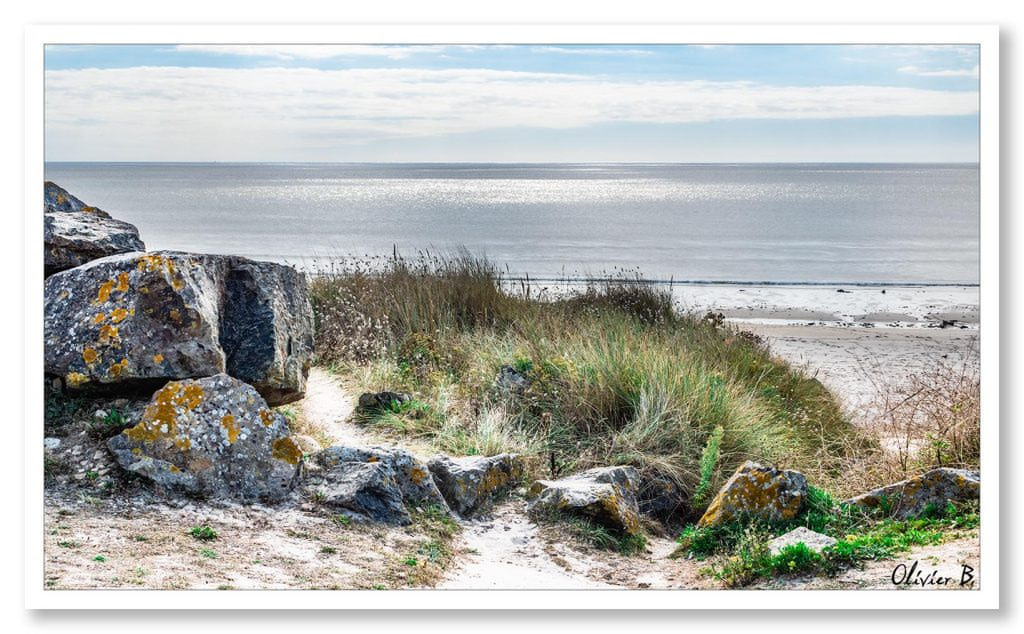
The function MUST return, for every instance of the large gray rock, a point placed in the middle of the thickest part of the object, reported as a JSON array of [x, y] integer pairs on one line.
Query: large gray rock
[[756, 491], [914, 496], [213, 436], [75, 233], [467, 483], [606, 495], [412, 476], [133, 321]]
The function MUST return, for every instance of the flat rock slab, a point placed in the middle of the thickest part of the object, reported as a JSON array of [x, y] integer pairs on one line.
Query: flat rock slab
[[760, 492], [606, 495], [72, 239], [133, 321], [469, 482], [213, 436], [802, 535], [915, 496]]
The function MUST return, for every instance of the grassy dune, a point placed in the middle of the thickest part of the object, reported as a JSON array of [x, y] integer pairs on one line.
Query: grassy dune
[[616, 375]]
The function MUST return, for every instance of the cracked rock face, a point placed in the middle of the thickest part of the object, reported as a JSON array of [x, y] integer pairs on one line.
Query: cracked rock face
[[757, 491], [75, 233], [914, 496], [213, 436], [606, 495], [469, 482], [410, 476], [133, 321]]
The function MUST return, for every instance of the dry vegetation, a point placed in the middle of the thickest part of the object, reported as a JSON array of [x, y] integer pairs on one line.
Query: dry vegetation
[[616, 375]]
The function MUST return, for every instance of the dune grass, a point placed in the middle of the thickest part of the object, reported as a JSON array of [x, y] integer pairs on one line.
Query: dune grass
[[615, 375]]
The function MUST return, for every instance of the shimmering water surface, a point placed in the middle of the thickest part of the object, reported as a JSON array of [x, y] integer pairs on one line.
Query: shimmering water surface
[[804, 223]]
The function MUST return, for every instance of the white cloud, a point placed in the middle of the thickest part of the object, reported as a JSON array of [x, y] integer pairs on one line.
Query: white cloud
[[956, 72], [174, 113], [603, 51], [320, 51]]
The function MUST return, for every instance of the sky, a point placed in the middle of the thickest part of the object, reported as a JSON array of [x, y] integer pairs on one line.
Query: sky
[[512, 103]]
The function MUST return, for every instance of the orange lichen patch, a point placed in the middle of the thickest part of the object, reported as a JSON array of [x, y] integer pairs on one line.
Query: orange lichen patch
[[61, 199], [174, 315], [173, 469], [231, 427], [122, 282], [116, 369], [136, 451], [90, 356], [266, 417], [108, 333], [287, 450], [75, 379], [103, 294], [183, 443], [417, 475], [493, 480], [192, 395], [373, 459], [118, 315], [99, 318], [158, 358]]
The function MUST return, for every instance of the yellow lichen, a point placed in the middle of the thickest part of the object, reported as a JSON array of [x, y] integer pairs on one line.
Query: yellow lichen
[[99, 318], [90, 356], [417, 475], [108, 333], [231, 427], [266, 417], [287, 450], [158, 358], [116, 369], [173, 469], [118, 315], [192, 395], [103, 294], [75, 379], [174, 315], [122, 282]]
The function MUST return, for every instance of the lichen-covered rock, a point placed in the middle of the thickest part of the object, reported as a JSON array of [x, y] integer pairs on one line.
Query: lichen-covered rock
[[135, 320], [213, 436], [75, 233], [468, 482], [72, 239], [56, 199], [801, 535], [758, 492], [411, 475], [930, 491], [606, 495]]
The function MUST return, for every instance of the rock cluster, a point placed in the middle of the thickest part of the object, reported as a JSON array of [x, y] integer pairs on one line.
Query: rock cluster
[[218, 338]]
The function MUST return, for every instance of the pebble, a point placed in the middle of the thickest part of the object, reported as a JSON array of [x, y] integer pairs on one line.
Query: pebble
[[51, 443], [100, 413]]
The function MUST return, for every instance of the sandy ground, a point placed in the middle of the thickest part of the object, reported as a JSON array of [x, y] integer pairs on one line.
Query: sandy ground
[[856, 362]]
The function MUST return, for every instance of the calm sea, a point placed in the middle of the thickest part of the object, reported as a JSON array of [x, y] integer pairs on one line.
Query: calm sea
[[802, 223]]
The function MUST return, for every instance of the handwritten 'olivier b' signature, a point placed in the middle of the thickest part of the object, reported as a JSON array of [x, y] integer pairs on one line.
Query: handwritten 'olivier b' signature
[[903, 575]]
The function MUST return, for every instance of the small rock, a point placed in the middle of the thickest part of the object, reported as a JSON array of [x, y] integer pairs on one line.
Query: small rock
[[51, 443], [814, 541], [606, 495], [511, 380], [307, 444], [382, 400], [100, 414]]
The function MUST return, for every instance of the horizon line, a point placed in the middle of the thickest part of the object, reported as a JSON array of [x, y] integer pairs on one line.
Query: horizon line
[[526, 162]]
